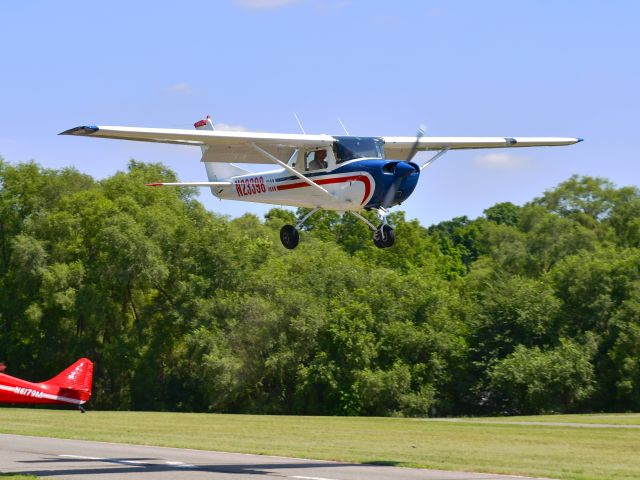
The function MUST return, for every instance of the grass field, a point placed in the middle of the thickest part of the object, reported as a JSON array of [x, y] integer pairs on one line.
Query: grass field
[[596, 419], [471, 445]]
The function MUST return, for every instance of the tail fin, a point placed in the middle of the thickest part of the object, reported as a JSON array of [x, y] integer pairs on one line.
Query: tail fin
[[77, 379], [217, 171]]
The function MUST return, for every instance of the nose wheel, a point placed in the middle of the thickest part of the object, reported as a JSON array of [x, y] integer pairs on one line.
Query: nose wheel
[[384, 237]]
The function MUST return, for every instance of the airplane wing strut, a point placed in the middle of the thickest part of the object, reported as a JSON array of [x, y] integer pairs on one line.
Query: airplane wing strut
[[434, 158], [293, 171]]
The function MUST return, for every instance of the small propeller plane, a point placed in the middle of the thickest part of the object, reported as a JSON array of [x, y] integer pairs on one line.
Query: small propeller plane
[[71, 386], [332, 172]]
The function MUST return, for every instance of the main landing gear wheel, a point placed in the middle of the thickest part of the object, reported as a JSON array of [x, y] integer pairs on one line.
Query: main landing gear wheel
[[384, 237], [289, 237]]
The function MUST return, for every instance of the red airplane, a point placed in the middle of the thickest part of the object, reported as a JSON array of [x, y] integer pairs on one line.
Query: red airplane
[[72, 386]]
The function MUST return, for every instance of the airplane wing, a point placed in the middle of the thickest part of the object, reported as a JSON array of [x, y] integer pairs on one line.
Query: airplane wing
[[239, 147], [400, 147], [236, 147]]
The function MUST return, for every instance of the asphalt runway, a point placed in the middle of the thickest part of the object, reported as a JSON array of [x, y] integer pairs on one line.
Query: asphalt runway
[[75, 459]]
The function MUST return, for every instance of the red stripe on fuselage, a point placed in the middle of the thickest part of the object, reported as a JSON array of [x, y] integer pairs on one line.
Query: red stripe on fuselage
[[354, 178]]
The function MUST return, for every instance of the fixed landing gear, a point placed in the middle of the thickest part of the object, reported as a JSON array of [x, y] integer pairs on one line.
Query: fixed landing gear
[[384, 237], [289, 237]]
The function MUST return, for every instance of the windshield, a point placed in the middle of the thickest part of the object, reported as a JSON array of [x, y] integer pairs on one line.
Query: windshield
[[348, 148]]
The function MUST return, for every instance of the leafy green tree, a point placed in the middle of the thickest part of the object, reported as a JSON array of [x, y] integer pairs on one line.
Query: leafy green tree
[[551, 238], [531, 380], [506, 246], [586, 200], [508, 311], [462, 234], [527, 309], [389, 392], [505, 213], [625, 353], [624, 217]]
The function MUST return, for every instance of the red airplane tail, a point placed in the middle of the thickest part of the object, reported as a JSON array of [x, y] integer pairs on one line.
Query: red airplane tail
[[76, 380]]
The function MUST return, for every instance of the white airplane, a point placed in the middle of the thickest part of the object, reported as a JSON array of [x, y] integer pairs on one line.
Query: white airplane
[[341, 173]]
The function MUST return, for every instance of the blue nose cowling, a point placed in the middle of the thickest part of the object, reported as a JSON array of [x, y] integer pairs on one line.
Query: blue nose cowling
[[407, 186], [404, 169], [405, 179]]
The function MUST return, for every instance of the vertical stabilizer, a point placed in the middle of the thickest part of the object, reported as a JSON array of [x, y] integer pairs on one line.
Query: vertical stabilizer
[[217, 171], [77, 378]]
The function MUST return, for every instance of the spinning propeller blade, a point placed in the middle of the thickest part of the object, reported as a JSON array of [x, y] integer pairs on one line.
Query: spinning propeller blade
[[403, 169], [414, 149]]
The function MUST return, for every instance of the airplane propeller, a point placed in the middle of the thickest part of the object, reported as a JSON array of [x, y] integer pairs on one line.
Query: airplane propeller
[[422, 129], [403, 169]]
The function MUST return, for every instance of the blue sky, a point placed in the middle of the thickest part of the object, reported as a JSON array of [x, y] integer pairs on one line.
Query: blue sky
[[498, 68]]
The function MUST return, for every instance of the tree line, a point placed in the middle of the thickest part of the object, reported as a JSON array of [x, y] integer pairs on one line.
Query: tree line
[[526, 309]]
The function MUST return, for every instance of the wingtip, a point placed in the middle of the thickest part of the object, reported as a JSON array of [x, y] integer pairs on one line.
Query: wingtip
[[154, 184], [82, 130], [580, 140]]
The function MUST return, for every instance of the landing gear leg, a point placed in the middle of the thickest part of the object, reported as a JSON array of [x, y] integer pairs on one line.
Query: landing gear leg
[[289, 235], [383, 235]]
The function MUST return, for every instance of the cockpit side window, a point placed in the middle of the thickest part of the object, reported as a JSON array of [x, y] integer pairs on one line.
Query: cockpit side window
[[350, 148], [316, 160]]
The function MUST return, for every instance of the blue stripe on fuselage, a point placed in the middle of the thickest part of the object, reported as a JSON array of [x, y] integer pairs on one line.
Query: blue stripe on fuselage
[[372, 166]]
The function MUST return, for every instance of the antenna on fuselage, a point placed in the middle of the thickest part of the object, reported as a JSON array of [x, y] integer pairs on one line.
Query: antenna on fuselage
[[343, 127], [299, 123]]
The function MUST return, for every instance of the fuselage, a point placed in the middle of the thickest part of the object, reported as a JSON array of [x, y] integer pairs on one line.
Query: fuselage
[[16, 390], [72, 385], [357, 184]]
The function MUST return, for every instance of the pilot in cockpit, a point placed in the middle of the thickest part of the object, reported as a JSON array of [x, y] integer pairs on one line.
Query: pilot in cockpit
[[319, 160]]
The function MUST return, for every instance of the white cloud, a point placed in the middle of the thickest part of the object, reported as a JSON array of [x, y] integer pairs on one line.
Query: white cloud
[[264, 4], [180, 88], [500, 161], [230, 128]]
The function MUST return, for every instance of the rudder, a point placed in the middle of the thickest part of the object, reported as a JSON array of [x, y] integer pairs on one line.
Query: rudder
[[77, 378]]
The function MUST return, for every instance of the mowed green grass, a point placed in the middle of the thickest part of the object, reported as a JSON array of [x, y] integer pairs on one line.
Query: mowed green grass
[[533, 450], [596, 418]]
